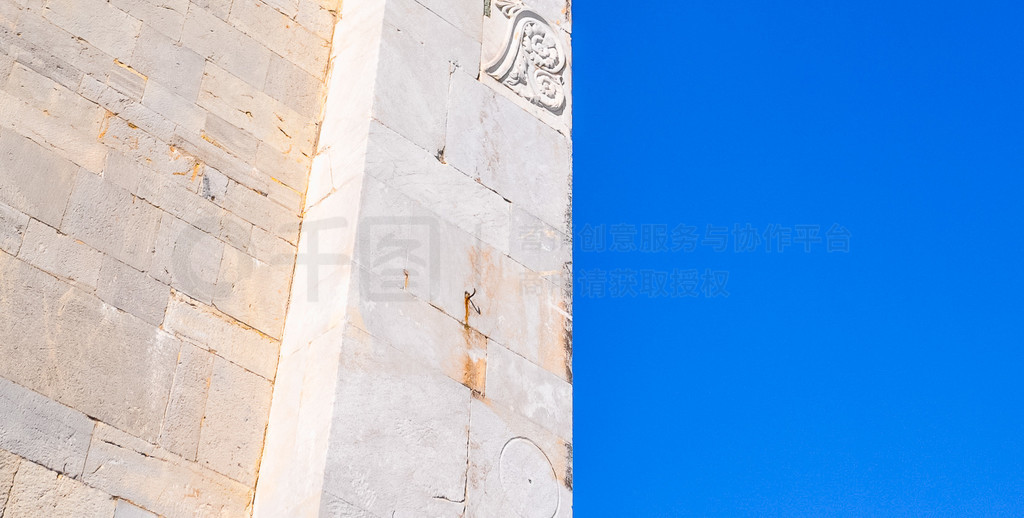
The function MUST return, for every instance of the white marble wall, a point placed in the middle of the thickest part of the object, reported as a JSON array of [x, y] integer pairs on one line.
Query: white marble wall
[[395, 396]]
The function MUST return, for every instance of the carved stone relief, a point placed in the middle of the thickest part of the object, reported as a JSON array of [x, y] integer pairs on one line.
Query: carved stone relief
[[528, 479], [533, 59]]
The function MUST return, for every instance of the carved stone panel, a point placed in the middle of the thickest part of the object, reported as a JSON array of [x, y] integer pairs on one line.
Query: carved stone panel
[[533, 58]]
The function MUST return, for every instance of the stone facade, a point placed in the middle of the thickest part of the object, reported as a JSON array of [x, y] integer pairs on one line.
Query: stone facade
[[285, 258]]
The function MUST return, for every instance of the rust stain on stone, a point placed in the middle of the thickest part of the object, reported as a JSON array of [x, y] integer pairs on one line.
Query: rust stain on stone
[[485, 279], [127, 67], [473, 357], [474, 373], [206, 136], [194, 170], [105, 125]]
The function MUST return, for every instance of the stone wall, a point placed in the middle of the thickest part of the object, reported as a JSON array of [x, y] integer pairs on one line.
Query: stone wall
[[344, 229], [426, 363], [154, 156]]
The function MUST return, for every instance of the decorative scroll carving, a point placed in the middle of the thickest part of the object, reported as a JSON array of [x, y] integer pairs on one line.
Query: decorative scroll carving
[[533, 58], [509, 7]]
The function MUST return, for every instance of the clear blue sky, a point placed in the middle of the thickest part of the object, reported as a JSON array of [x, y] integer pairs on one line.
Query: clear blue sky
[[886, 381]]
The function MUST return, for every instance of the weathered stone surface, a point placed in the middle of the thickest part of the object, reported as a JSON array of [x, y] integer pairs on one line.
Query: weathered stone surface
[[6, 63], [529, 390], [220, 8], [215, 331], [132, 291], [518, 308], [424, 333], [54, 116], [216, 40], [295, 87], [126, 107], [523, 157], [159, 57], [43, 430], [187, 402], [231, 439], [69, 346], [540, 247], [319, 16], [226, 136], [398, 237], [516, 468], [100, 23], [245, 107], [291, 169], [427, 22], [292, 470], [333, 507], [166, 16], [77, 500], [281, 34], [123, 171], [112, 221], [125, 80], [39, 60], [179, 199], [269, 248], [134, 470], [261, 211], [323, 270], [127, 510], [8, 468], [39, 492], [187, 258], [10, 10], [288, 8], [253, 291], [34, 180], [170, 163], [399, 434], [176, 109], [465, 16], [61, 255], [347, 111], [418, 111], [53, 52], [33, 492], [237, 232], [441, 189], [12, 229], [215, 184]]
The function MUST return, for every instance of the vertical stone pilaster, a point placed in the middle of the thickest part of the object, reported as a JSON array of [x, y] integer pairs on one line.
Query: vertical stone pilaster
[[426, 360]]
